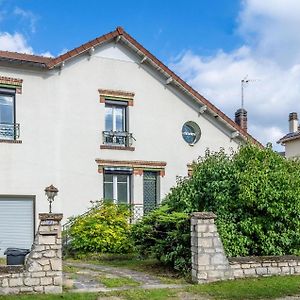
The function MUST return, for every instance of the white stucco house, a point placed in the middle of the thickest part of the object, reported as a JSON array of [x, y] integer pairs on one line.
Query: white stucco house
[[291, 141], [104, 120]]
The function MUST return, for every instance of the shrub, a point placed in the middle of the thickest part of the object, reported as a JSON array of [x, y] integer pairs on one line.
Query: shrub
[[255, 194], [165, 235], [105, 229]]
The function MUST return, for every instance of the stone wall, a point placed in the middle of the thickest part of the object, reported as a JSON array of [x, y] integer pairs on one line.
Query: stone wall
[[42, 272], [265, 266], [209, 262]]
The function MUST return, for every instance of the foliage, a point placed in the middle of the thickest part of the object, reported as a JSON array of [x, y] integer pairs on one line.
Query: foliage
[[166, 236], [254, 192], [105, 229]]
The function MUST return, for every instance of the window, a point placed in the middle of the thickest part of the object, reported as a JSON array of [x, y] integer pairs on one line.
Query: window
[[8, 127], [117, 187], [116, 124], [191, 132], [115, 119], [151, 190]]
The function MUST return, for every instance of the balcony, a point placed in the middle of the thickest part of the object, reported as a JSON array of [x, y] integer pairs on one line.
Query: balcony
[[117, 138], [9, 131]]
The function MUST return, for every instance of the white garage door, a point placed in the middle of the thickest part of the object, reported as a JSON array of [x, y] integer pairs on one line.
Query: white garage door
[[16, 222]]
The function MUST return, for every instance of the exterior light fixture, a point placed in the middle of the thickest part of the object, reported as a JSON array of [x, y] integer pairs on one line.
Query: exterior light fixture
[[51, 191]]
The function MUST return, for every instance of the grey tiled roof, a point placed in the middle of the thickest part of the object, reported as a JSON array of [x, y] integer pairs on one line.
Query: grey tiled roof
[[289, 137]]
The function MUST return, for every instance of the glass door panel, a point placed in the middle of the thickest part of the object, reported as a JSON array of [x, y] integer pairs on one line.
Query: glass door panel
[[6, 109]]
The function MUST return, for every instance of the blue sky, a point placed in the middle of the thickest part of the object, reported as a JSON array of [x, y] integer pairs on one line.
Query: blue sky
[[210, 44], [164, 27]]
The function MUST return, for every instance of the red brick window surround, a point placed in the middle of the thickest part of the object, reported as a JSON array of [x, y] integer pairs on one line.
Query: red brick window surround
[[138, 166], [116, 95], [115, 138], [10, 82]]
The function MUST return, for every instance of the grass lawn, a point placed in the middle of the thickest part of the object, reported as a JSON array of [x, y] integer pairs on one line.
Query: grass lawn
[[135, 294], [244, 289], [254, 288], [117, 282], [2, 261]]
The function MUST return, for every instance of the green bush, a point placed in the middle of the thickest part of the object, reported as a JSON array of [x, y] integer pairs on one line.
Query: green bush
[[165, 235], [105, 229], [255, 194]]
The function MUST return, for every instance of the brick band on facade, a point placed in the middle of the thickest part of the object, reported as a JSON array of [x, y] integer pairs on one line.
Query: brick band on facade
[[138, 166], [116, 95], [12, 83]]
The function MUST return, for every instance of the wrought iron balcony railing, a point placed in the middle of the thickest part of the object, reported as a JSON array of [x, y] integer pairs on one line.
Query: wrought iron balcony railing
[[9, 131], [117, 138]]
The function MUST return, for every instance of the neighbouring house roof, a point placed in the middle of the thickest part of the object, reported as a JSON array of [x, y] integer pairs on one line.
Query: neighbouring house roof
[[289, 137], [146, 57], [25, 58]]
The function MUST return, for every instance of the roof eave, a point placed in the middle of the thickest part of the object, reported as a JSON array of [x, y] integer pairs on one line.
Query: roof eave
[[23, 62], [284, 140]]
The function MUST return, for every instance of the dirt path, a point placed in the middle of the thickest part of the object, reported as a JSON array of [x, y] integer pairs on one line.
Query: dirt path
[[86, 279]]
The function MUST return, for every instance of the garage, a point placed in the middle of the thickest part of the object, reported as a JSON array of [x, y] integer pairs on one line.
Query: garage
[[16, 222]]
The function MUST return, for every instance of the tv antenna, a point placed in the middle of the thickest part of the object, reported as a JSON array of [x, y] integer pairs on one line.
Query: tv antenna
[[244, 82]]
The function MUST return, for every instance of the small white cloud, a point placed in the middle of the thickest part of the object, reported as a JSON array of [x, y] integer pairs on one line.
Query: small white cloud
[[27, 15], [14, 42], [46, 54]]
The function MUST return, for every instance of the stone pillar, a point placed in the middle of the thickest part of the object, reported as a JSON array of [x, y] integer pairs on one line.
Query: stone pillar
[[42, 272], [44, 263], [209, 262]]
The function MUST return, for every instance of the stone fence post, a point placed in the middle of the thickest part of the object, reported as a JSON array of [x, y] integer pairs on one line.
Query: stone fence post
[[42, 272], [209, 262], [46, 253]]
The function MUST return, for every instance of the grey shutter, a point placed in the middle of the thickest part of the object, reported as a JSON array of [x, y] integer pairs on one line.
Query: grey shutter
[[16, 223]]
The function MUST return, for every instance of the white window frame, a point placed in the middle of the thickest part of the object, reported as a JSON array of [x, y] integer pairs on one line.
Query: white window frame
[[114, 106], [115, 187]]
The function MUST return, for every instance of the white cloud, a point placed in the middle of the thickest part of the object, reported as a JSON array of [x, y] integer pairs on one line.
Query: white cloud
[[271, 53], [27, 15], [14, 42]]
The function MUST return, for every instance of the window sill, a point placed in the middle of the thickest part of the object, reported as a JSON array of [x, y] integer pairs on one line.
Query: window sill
[[112, 147], [10, 141]]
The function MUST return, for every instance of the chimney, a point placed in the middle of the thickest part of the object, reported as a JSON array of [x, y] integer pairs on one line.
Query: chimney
[[241, 118], [293, 122]]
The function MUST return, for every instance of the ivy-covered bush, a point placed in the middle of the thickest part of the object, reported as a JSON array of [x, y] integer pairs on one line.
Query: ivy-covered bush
[[255, 194], [105, 229]]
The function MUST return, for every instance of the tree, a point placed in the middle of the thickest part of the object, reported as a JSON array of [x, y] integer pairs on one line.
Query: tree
[[255, 194]]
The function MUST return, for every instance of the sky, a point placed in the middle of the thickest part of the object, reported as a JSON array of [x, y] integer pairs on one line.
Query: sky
[[212, 45]]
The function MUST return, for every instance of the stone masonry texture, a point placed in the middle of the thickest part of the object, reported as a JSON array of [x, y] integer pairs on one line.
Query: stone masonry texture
[[209, 262], [42, 272]]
